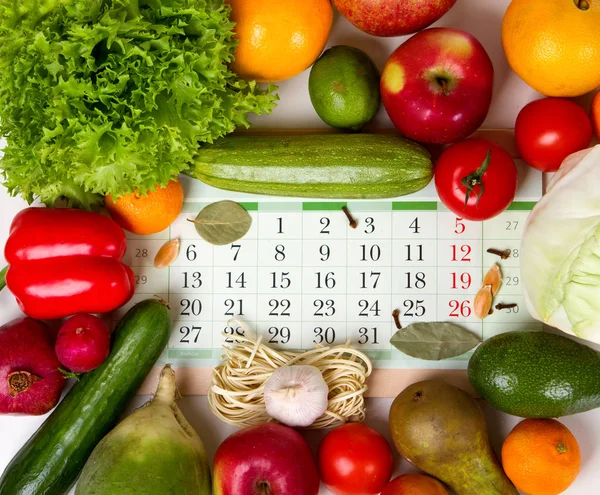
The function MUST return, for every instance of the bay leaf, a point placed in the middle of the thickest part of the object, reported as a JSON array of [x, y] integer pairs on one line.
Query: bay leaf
[[222, 222], [434, 341]]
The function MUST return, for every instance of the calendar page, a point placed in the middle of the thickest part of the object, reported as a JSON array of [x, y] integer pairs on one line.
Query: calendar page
[[302, 276]]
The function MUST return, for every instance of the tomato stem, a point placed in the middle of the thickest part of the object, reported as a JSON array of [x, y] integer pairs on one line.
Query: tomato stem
[[474, 179]]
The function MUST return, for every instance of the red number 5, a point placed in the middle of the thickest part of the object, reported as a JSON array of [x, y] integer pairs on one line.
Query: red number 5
[[459, 227]]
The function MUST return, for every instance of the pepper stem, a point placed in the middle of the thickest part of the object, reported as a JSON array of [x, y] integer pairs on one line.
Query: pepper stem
[[3, 277], [474, 179], [20, 381]]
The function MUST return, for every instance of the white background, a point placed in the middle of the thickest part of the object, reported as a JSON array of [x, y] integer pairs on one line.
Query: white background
[[483, 20]]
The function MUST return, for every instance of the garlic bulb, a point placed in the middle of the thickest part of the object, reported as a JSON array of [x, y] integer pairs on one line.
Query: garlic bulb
[[296, 395]]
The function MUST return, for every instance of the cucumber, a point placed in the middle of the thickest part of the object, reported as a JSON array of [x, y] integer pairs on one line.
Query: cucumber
[[52, 458], [341, 166]]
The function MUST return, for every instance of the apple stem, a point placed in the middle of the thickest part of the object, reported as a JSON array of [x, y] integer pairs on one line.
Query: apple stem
[[20, 381], [264, 488], [444, 84], [582, 4], [474, 179]]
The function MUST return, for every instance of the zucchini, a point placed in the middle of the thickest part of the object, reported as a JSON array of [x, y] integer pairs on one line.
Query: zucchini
[[51, 460], [341, 166]]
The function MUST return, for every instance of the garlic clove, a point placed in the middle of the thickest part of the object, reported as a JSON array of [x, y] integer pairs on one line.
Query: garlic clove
[[296, 395]]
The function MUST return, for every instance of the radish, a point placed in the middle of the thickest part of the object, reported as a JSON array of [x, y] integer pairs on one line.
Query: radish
[[83, 343], [30, 379]]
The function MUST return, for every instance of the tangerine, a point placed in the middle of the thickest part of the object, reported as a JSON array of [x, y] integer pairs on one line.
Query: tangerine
[[278, 39], [541, 457], [150, 213]]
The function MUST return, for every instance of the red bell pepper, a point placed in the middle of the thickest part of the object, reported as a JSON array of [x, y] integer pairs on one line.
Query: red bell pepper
[[65, 261]]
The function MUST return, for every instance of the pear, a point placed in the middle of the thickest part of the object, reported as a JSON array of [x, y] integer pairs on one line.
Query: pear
[[154, 451], [441, 430]]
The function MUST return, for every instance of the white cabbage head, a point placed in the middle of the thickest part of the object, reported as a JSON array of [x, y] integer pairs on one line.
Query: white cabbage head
[[560, 249]]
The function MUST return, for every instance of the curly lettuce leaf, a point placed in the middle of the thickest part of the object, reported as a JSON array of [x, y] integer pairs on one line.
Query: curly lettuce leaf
[[106, 96]]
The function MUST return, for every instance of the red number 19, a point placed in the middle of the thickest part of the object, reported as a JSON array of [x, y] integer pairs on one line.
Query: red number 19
[[464, 280]]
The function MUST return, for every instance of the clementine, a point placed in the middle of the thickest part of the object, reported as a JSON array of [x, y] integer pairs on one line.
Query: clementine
[[149, 213], [541, 457], [554, 45], [279, 39]]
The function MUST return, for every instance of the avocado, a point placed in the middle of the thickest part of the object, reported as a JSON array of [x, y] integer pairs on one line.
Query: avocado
[[536, 374]]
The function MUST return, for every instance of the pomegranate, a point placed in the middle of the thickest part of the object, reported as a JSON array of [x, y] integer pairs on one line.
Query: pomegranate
[[30, 379], [83, 343]]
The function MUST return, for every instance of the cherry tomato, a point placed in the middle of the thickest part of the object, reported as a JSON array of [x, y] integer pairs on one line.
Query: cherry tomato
[[595, 114], [476, 179], [355, 460], [549, 130]]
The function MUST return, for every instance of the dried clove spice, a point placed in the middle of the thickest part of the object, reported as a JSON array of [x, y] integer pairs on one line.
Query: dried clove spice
[[351, 220], [503, 254], [501, 306], [396, 316]]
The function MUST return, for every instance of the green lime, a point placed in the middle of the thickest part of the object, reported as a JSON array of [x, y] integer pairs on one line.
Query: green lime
[[344, 87]]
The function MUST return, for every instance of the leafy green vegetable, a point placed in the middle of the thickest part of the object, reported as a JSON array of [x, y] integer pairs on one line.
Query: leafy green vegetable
[[104, 96], [560, 249]]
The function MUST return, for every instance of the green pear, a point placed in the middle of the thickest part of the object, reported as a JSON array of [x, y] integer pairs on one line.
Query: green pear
[[154, 451], [441, 430]]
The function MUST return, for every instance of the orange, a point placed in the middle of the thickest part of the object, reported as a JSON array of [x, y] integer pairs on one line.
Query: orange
[[595, 114], [278, 39], [541, 457], [554, 45], [150, 213]]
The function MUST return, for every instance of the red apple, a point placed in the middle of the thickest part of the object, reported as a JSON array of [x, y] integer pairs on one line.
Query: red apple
[[266, 459], [437, 86], [393, 17]]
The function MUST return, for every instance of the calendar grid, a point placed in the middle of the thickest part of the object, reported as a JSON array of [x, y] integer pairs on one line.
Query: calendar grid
[[322, 282]]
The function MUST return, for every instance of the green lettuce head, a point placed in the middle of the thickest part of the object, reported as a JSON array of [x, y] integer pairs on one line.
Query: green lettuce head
[[104, 96]]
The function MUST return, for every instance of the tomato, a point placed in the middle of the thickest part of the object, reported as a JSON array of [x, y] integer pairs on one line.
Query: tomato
[[595, 114], [355, 460], [549, 130], [473, 186]]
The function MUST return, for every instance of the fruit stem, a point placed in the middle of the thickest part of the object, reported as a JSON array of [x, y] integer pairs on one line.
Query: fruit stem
[[3, 277], [561, 448], [582, 4], [264, 488], [474, 179], [444, 84], [20, 381], [166, 392]]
